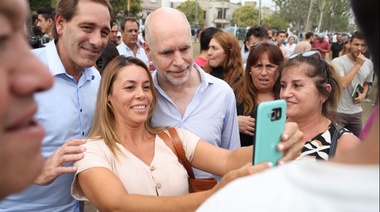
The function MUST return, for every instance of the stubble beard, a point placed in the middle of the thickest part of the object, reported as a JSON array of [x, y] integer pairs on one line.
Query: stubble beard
[[178, 81]]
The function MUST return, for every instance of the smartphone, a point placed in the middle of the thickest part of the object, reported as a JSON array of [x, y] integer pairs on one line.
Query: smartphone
[[270, 123], [357, 88]]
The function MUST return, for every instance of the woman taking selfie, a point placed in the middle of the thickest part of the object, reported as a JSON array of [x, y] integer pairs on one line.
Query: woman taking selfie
[[139, 168]]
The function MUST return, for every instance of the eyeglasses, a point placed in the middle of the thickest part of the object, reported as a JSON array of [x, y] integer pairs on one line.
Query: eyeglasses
[[312, 54]]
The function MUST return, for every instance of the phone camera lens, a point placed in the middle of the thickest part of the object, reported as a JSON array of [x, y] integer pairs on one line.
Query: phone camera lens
[[273, 115]]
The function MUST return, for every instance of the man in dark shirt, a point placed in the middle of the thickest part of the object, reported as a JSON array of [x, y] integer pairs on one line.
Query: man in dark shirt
[[336, 47]]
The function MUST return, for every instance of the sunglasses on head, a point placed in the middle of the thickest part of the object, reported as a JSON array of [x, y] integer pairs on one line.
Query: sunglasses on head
[[312, 54]]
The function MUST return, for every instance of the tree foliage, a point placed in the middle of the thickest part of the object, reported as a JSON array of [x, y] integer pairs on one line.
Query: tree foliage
[[245, 16], [37, 4], [275, 22], [335, 14], [188, 8], [120, 8]]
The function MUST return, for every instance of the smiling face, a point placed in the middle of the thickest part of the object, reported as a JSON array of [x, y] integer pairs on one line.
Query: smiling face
[[20, 134], [300, 93], [264, 74], [131, 96], [169, 45], [83, 38], [216, 54]]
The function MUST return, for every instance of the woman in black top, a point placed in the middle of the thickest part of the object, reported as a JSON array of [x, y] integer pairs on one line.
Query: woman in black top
[[256, 86]]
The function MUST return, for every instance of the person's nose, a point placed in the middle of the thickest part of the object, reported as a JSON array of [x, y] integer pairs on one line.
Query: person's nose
[[285, 92], [97, 40], [209, 52], [264, 71], [140, 93], [361, 48], [31, 75], [178, 59]]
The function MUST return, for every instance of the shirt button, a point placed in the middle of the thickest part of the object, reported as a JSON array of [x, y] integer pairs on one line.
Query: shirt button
[[158, 185], [152, 168], [82, 133]]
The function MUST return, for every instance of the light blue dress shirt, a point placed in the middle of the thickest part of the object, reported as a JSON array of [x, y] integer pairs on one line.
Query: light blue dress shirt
[[211, 114], [124, 50], [66, 111]]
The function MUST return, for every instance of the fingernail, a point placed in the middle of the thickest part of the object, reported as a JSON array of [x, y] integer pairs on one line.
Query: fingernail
[[270, 164], [281, 162], [286, 136], [281, 147]]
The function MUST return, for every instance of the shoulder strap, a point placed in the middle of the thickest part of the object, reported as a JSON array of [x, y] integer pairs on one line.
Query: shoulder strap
[[168, 142], [181, 152], [334, 140], [177, 147]]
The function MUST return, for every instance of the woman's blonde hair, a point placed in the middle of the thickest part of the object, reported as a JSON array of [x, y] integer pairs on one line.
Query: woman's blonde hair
[[104, 125]]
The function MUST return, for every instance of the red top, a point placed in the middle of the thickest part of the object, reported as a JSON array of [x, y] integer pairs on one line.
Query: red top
[[200, 61], [321, 45]]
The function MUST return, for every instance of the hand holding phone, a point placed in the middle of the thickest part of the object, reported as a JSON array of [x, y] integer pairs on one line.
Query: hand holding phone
[[270, 123]]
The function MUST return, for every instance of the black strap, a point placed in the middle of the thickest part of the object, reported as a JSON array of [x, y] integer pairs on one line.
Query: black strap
[[334, 141]]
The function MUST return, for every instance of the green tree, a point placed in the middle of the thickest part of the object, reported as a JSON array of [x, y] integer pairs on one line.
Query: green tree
[[188, 8], [275, 22], [245, 16], [335, 13], [36, 4], [294, 12], [120, 8], [338, 19]]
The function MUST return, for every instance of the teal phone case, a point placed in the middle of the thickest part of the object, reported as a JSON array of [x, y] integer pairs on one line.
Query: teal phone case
[[269, 127]]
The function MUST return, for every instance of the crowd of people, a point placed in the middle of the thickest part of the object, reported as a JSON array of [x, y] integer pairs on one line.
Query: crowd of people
[[82, 115]]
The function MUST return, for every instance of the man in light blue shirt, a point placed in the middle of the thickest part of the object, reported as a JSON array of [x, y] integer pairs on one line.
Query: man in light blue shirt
[[188, 97], [130, 45], [66, 111]]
